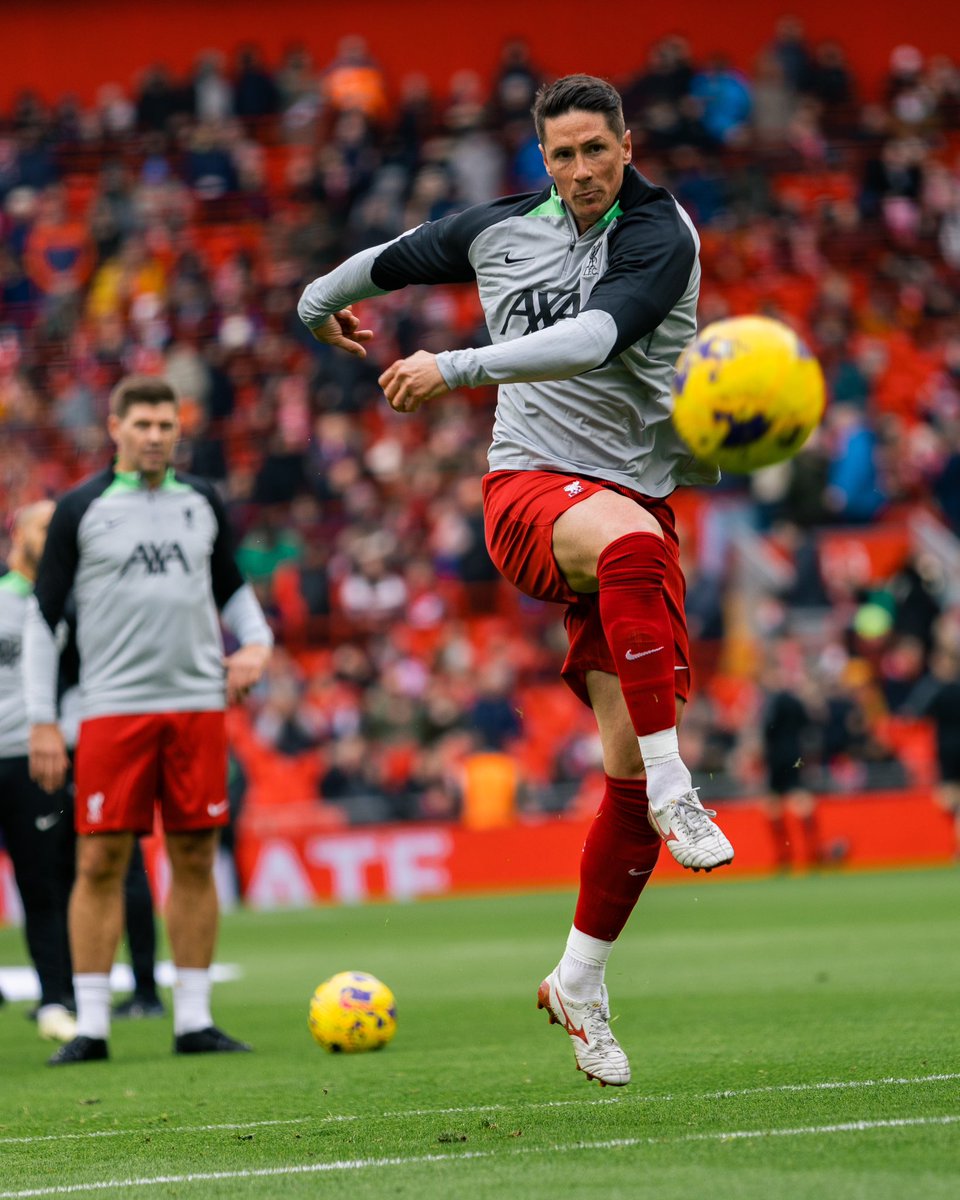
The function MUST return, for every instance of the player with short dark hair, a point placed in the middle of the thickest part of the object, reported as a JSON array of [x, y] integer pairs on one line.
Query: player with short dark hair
[[590, 290], [140, 389], [147, 553], [580, 93]]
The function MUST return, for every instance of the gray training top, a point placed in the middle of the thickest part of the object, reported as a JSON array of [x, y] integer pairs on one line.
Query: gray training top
[[149, 568], [15, 592], [15, 603], [585, 328]]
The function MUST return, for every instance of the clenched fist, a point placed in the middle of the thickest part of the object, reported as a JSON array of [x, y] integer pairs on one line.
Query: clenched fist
[[410, 381]]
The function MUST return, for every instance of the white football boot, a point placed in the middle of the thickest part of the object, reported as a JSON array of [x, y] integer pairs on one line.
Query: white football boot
[[690, 835], [597, 1051], [56, 1024]]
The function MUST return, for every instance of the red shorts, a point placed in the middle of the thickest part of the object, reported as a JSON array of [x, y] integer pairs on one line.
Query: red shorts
[[519, 511], [126, 765]]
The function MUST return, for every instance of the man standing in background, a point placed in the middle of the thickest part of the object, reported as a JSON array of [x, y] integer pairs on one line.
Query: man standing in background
[[148, 555]]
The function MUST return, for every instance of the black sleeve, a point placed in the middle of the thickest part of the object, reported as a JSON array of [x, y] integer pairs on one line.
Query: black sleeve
[[439, 251], [61, 553], [224, 572], [68, 674], [651, 255]]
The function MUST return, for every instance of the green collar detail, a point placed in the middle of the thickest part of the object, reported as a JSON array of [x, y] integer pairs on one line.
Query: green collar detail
[[610, 215], [132, 481], [14, 582], [554, 207], [549, 208]]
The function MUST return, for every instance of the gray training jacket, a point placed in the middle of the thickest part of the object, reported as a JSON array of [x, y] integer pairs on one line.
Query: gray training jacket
[[149, 568], [585, 328]]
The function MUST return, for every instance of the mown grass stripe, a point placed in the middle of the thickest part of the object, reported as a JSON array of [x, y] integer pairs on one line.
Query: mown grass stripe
[[467, 1110], [362, 1164]]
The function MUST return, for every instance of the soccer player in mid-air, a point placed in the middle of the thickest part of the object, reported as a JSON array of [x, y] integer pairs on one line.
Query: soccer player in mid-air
[[590, 293], [147, 553]]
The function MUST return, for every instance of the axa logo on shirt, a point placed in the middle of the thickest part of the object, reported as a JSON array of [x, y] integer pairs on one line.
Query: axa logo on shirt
[[540, 309], [154, 558]]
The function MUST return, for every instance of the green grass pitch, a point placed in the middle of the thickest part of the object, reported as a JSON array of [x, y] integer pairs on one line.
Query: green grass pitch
[[789, 1037]]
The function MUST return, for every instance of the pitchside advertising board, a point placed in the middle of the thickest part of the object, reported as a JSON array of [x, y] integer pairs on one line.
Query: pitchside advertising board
[[280, 867]]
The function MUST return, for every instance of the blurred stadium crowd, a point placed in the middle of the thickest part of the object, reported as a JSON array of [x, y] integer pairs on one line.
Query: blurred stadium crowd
[[171, 227]]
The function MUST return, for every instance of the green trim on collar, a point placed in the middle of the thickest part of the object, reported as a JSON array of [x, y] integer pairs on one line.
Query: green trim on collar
[[554, 207], [610, 215], [132, 481], [14, 582]]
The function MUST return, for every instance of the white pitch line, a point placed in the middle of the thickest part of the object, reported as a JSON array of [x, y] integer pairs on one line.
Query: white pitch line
[[103, 1133], [473, 1109], [843, 1127], [826, 1086], [150, 1129], [361, 1164]]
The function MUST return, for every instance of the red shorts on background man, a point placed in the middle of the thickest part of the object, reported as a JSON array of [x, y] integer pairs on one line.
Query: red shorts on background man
[[126, 765], [520, 509]]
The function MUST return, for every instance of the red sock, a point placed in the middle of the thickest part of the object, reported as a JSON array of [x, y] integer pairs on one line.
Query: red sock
[[638, 629], [620, 852]]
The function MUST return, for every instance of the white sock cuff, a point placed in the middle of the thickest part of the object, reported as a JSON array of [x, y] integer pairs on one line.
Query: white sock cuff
[[193, 977], [93, 1004], [588, 949], [659, 747], [191, 1000]]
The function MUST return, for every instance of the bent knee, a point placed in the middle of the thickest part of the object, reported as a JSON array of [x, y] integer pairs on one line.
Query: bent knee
[[102, 859], [582, 533], [192, 853]]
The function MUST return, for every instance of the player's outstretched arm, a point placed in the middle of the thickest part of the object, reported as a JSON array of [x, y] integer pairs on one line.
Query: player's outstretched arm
[[342, 329], [410, 381]]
